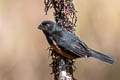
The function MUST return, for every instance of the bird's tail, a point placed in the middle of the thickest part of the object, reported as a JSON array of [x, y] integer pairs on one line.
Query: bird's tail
[[101, 56]]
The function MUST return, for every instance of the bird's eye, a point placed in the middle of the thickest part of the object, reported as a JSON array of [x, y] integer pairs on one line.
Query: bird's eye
[[48, 25]]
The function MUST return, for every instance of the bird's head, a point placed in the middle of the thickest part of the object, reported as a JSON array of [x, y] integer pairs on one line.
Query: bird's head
[[47, 26]]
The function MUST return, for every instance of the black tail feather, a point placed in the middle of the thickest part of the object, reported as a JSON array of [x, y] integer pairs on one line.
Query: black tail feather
[[101, 56]]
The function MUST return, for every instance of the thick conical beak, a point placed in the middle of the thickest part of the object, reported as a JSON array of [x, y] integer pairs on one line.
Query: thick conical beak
[[40, 27]]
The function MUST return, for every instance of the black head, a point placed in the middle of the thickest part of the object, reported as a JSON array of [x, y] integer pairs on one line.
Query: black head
[[47, 26]]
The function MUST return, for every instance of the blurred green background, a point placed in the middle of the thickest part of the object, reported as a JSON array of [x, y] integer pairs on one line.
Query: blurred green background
[[23, 54]]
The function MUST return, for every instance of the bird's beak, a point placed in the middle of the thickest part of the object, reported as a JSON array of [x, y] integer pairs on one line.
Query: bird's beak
[[40, 27]]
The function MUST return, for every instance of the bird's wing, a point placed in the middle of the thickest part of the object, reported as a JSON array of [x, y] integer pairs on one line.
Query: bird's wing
[[73, 44]]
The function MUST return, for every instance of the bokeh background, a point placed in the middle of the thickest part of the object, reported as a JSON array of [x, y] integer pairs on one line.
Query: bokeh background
[[23, 48]]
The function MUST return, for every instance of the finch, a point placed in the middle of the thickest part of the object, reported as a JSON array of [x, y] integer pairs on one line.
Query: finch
[[69, 45]]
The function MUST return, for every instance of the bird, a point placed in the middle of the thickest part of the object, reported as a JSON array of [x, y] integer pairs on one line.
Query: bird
[[68, 44]]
